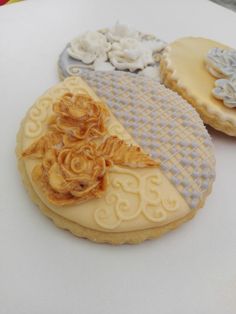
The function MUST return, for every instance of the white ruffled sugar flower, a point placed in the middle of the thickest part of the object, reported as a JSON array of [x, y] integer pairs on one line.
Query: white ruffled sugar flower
[[89, 47], [120, 31], [117, 48], [132, 54]]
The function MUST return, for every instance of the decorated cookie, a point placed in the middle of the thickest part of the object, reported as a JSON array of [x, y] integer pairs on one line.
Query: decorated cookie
[[119, 48], [119, 160], [203, 72]]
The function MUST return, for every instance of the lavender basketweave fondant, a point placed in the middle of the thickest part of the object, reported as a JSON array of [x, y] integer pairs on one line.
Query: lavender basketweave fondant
[[164, 125]]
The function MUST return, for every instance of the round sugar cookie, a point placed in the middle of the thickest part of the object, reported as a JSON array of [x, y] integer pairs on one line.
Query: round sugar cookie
[[119, 48], [119, 159], [202, 71]]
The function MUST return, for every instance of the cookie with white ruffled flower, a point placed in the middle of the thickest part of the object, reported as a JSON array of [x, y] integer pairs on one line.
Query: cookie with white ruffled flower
[[203, 72], [119, 48]]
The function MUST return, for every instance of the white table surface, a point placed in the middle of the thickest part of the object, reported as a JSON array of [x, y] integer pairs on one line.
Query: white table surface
[[46, 270]]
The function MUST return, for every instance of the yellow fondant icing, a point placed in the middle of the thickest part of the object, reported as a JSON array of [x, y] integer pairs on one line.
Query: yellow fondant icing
[[135, 199], [184, 70]]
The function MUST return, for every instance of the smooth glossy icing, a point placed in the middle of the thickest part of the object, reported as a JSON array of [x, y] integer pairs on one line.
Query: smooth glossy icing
[[135, 198]]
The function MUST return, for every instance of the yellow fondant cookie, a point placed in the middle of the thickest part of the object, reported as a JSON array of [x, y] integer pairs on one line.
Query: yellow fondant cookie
[[94, 177], [203, 72]]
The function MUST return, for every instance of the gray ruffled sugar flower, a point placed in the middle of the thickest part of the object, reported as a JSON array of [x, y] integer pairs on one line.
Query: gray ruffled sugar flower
[[221, 63], [225, 89]]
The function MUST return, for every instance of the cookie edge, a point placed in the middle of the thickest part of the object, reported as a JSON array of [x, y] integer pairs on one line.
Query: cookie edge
[[170, 80], [131, 237]]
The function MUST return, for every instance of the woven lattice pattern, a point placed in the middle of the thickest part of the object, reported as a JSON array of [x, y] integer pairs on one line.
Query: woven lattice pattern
[[164, 125]]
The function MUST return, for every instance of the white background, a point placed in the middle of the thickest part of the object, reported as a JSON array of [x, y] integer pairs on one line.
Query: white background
[[46, 270]]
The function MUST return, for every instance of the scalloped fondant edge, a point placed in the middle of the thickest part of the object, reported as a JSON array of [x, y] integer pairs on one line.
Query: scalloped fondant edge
[[131, 237], [207, 114]]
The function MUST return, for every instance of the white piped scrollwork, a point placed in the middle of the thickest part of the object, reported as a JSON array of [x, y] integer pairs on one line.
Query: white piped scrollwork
[[144, 198], [78, 68], [39, 112]]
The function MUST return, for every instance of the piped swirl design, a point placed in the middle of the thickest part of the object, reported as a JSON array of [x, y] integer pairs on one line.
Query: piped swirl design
[[152, 205], [76, 151]]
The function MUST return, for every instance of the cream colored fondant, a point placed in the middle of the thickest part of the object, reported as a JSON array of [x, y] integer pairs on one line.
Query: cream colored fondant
[[183, 69], [136, 199]]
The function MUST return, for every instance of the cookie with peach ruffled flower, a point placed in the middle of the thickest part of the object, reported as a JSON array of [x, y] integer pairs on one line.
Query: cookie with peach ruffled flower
[[110, 169]]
